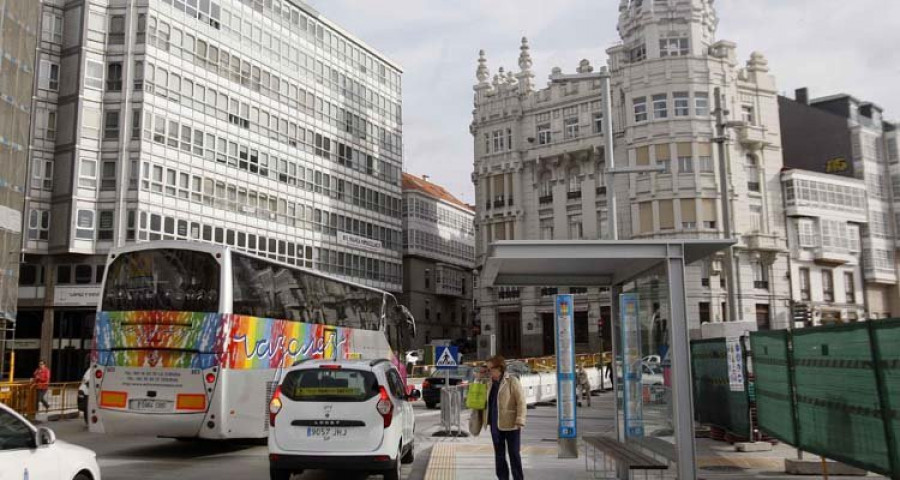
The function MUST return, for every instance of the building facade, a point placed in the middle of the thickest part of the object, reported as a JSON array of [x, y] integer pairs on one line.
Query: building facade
[[19, 26], [438, 260], [540, 170], [825, 217], [259, 125], [863, 146]]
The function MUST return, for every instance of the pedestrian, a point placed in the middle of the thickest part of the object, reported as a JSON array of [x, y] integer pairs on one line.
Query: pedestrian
[[41, 382], [584, 386], [505, 416]]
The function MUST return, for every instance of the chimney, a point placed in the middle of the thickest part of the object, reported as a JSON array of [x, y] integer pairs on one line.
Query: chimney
[[801, 95], [425, 177]]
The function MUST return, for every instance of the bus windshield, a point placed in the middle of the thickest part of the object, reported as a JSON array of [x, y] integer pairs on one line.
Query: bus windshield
[[162, 280]]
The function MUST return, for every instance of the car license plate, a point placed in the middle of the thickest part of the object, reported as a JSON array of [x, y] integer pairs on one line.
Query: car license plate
[[149, 404], [326, 433]]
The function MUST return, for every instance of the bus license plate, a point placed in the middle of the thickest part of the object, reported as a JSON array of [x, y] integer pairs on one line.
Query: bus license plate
[[147, 404], [326, 433]]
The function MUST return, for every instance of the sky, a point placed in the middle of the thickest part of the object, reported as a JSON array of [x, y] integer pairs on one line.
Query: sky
[[829, 46]]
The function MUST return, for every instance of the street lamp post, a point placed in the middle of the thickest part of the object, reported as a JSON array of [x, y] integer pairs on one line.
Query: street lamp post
[[724, 192]]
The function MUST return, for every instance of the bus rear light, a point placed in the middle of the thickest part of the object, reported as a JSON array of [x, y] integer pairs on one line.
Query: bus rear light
[[190, 401], [113, 399], [210, 377], [274, 406], [385, 407]]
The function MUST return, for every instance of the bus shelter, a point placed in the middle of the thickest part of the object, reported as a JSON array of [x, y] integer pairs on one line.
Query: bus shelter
[[649, 319]]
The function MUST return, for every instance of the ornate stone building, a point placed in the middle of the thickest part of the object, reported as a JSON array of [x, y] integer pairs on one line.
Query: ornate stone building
[[540, 170]]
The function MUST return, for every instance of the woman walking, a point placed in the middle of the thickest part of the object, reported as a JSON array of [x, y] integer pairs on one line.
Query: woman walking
[[505, 416]]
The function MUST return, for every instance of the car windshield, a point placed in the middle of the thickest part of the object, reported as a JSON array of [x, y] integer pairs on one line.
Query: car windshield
[[321, 385]]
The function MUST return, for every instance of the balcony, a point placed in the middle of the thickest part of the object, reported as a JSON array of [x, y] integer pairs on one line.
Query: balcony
[[499, 203], [545, 199], [764, 242], [761, 284], [574, 195], [753, 186], [601, 191], [752, 136], [832, 256]]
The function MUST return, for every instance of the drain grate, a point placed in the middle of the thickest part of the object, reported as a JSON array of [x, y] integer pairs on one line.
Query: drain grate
[[724, 468]]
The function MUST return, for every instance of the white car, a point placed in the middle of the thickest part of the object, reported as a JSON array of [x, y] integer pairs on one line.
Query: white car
[[414, 357], [30, 452], [341, 415]]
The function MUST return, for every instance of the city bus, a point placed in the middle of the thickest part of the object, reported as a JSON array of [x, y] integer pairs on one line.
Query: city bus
[[190, 338]]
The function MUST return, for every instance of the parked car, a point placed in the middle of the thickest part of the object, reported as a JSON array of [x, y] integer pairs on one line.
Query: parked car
[[83, 394], [341, 415], [414, 357], [462, 376], [27, 451], [518, 368]]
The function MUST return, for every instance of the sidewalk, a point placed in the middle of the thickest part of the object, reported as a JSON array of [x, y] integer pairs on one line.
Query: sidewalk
[[473, 458]]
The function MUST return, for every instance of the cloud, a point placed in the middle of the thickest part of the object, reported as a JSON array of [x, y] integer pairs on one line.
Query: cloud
[[830, 46]]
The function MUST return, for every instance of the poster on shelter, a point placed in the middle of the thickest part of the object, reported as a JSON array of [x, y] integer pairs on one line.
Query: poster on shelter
[[735, 364]]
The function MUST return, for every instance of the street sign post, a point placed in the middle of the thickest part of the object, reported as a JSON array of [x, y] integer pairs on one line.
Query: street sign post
[[565, 377]]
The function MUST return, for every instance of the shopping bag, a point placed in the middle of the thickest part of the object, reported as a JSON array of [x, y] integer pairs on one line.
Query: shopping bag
[[475, 422], [476, 399]]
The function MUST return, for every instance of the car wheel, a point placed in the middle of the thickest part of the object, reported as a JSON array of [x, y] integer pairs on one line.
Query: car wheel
[[410, 456], [279, 474], [82, 476], [430, 405]]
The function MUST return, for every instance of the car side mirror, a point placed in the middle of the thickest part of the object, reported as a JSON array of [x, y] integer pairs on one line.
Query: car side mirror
[[414, 395], [44, 437]]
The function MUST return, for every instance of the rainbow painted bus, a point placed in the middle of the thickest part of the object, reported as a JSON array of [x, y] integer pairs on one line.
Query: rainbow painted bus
[[190, 338]]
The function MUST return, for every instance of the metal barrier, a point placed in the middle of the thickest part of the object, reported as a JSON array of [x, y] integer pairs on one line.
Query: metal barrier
[[451, 410], [23, 397]]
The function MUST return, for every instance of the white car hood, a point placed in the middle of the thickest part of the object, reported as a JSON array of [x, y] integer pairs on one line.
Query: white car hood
[[72, 451]]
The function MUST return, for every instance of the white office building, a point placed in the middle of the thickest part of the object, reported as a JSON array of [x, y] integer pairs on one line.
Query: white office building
[[250, 123]]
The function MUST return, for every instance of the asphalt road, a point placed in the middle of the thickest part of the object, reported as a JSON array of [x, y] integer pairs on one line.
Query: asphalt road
[[124, 457]]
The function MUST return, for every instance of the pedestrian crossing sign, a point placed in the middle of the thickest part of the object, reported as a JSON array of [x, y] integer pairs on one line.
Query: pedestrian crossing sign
[[446, 358]]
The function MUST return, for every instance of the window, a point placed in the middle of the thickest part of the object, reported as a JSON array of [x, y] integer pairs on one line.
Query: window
[[105, 225], [84, 226], [664, 158], [640, 109], [673, 47], [685, 154], [87, 174], [42, 174], [51, 27], [111, 125], [827, 286], [90, 122], [543, 134], [39, 224], [760, 275], [16, 434], [546, 225], [756, 218], [688, 213], [806, 230], [849, 287], [114, 77], [571, 127], [575, 227], [93, 74], [805, 292], [704, 312], [598, 122], [682, 104], [701, 104], [49, 76], [763, 316], [747, 115], [853, 238], [660, 106], [108, 175], [117, 29], [638, 53]]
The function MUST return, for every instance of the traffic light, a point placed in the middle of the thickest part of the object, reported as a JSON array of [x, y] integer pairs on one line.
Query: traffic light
[[800, 312]]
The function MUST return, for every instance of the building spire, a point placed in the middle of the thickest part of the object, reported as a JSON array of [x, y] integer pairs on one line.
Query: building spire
[[525, 76], [482, 73]]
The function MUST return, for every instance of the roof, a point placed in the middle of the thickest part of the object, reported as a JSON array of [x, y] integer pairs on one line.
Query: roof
[[419, 184], [589, 263]]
